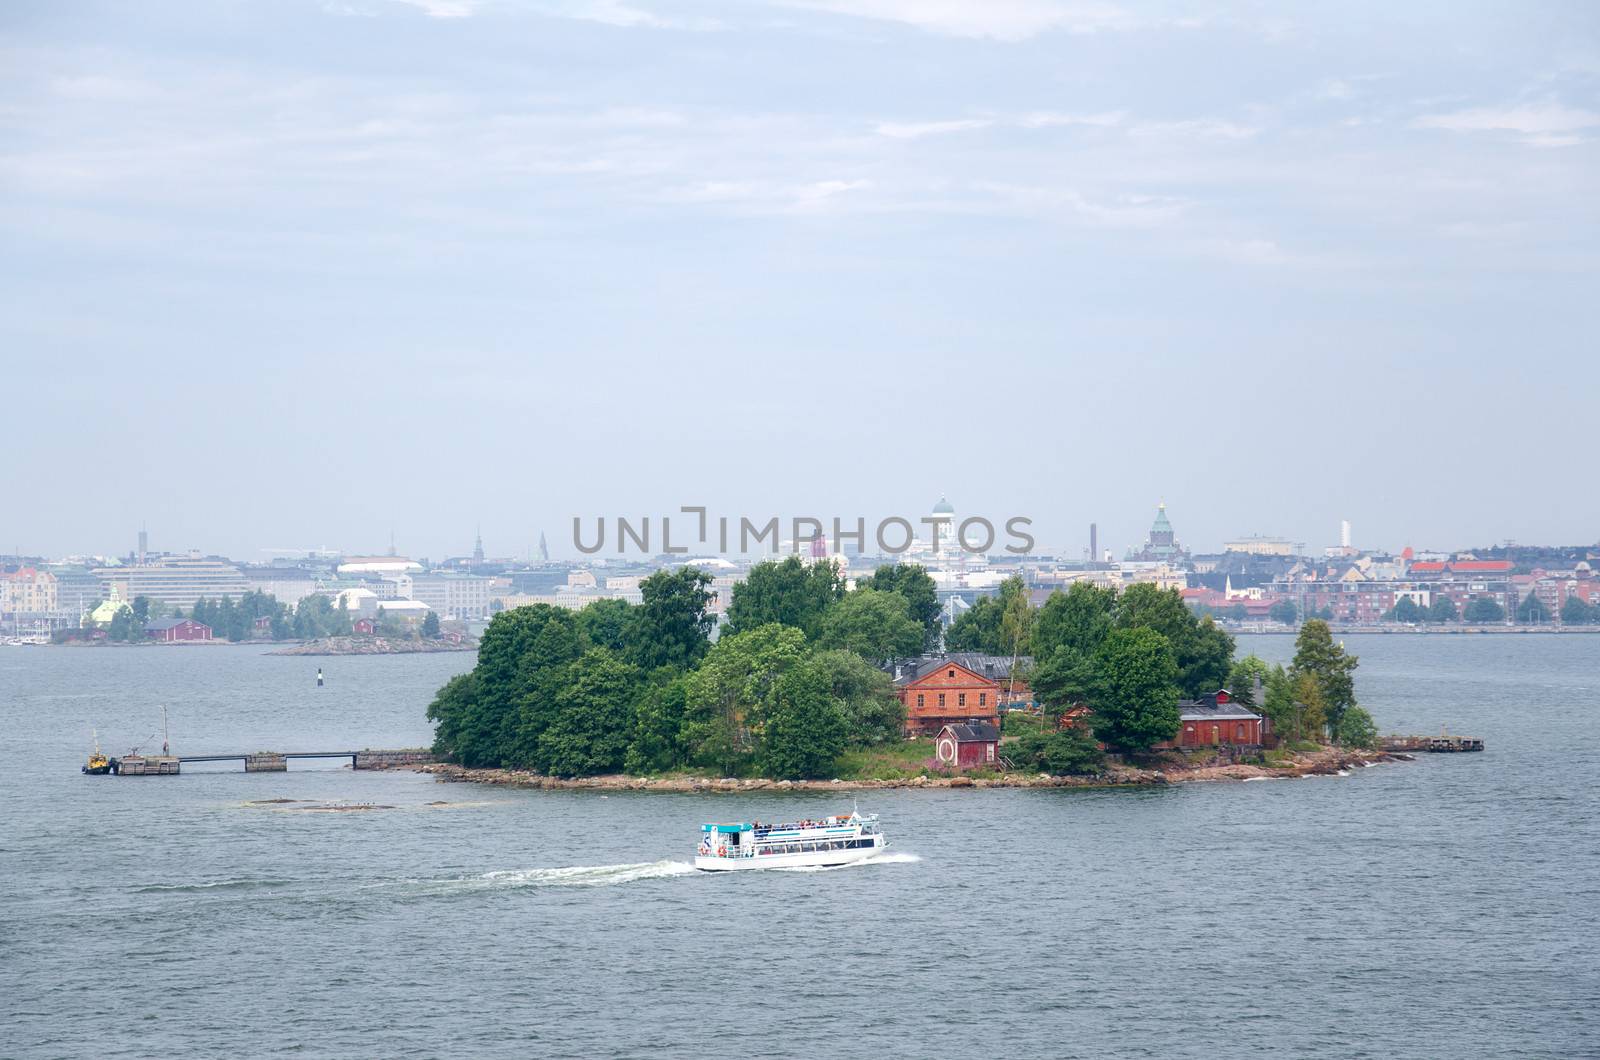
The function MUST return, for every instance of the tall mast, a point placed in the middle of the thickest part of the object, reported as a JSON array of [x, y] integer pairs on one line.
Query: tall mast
[[165, 749]]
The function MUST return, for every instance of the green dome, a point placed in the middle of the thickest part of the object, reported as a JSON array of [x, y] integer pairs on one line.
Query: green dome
[[944, 507]]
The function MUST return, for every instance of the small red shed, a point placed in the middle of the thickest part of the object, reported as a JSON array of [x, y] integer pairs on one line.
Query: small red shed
[[966, 745]]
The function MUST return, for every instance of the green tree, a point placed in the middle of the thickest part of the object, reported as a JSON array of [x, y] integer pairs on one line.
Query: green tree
[[609, 624], [1443, 609], [1063, 679], [521, 663], [872, 713], [1242, 678], [430, 625], [122, 625], [452, 711], [1357, 729], [874, 624], [1483, 610], [1203, 650], [1279, 704], [1078, 619], [1284, 611], [995, 625], [912, 582], [1329, 666], [805, 729], [141, 610], [1532, 610], [1135, 690], [1576, 612], [1310, 721], [658, 718], [1408, 610], [672, 627], [593, 721], [729, 694], [791, 592], [1058, 752]]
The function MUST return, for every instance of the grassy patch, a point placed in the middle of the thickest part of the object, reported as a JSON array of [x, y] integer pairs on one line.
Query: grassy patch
[[896, 760]]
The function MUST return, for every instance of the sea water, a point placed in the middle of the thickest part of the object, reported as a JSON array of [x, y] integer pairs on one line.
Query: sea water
[[1444, 907]]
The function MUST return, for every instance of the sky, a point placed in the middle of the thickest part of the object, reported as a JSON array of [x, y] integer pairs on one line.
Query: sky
[[284, 274]]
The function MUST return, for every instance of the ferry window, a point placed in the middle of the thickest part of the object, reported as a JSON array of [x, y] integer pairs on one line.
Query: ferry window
[[961, 699]]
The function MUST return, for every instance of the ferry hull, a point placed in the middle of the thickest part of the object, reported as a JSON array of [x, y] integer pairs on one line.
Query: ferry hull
[[820, 859]]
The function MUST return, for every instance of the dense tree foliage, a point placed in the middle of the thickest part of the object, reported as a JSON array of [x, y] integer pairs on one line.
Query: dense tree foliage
[[790, 592], [995, 625], [875, 624], [1483, 610], [1203, 650], [672, 627], [1331, 671], [1284, 611], [1135, 689], [1532, 610], [1576, 612], [1064, 751], [921, 595]]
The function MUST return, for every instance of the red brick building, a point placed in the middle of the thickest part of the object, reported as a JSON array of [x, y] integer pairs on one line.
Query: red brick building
[[1215, 718], [966, 746], [177, 630], [940, 691]]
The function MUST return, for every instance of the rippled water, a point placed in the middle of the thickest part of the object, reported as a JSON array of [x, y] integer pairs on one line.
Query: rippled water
[[1447, 907]]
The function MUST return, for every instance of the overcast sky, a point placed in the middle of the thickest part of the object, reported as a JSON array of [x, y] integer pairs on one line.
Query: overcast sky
[[288, 273]]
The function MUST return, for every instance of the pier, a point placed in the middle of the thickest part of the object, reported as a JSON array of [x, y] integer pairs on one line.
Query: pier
[[274, 761], [1433, 744]]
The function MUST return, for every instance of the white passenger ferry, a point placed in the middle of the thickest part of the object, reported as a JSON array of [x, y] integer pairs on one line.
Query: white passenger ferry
[[823, 842]]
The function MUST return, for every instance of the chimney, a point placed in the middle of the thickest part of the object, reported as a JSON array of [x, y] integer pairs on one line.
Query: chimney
[[1094, 543]]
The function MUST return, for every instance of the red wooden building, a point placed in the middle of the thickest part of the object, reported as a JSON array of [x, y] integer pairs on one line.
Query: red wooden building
[[965, 746], [174, 630], [940, 691]]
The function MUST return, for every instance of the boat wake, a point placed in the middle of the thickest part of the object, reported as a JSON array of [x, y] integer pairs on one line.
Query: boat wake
[[568, 876]]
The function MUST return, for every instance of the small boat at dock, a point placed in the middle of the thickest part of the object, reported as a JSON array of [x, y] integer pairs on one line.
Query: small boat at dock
[[808, 843], [98, 764]]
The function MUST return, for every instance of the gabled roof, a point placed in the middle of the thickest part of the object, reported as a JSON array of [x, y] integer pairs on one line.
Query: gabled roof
[[1206, 708], [992, 667], [972, 732], [161, 625]]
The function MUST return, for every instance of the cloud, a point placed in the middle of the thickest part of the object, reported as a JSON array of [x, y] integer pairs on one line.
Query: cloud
[[1120, 211], [1002, 20], [443, 8], [1044, 119], [917, 130], [1540, 124], [1196, 129]]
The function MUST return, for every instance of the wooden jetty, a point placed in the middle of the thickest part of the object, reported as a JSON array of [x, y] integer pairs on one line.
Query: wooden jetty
[[1441, 744], [269, 761]]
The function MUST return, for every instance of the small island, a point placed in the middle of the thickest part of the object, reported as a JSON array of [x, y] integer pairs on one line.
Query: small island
[[815, 686]]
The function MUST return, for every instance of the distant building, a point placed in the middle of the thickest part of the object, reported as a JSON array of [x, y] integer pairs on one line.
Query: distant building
[[176, 630], [453, 595], [174, 581], [1162, 544], [1261, 546], [967, 745], [378, 565], [28, 591]]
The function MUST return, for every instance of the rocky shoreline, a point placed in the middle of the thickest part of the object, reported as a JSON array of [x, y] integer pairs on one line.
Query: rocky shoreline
[[1330, 762], [373, 646]]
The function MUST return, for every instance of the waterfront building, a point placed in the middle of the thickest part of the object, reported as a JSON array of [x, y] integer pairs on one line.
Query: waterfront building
[[28, 592], [454, 595], [380, 565], [964, 746], [942, 690], [288, 585], [1213, 719], [174, 581], [176, 630]]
